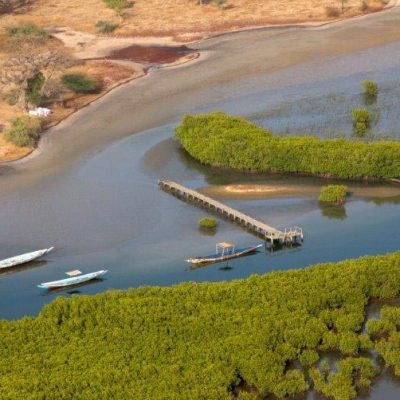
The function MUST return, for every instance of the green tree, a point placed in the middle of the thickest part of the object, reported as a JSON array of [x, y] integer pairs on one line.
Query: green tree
[[24, 131], [361, 120], [333, 194], [80, 83], [370, 88], [208, 223], [35, 86]]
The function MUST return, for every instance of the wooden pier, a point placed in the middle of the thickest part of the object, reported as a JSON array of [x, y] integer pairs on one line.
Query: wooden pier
[[269, 233]]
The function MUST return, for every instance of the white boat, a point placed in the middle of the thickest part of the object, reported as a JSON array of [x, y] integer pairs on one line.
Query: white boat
[[75, 279], [23, 258]]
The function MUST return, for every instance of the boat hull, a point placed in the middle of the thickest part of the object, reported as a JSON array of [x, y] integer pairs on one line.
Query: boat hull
[[23, 258], [218, 258], [76, 280]]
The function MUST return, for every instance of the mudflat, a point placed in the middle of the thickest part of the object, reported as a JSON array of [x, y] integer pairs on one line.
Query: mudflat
[[165, 94]]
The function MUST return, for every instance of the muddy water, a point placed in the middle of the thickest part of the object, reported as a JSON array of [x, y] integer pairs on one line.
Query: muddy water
[[151, 54]]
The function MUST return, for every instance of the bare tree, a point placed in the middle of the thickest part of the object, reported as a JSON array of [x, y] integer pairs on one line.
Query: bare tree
[[17, 71]]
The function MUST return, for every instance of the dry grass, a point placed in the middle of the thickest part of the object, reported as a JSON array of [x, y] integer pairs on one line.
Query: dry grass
[[183, 20], [7, 114], [181, 17], [108, 74], [10, 152]]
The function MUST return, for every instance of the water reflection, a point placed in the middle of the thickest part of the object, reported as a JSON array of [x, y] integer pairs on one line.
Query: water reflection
[[333, 211], [23, 267], [386, 200], [226, 267], [369, 100], [207, 231]]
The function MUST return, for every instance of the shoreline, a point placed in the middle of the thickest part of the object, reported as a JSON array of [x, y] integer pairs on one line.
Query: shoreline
[[146, 71], [186, 60], [322, 24], [165, 94]]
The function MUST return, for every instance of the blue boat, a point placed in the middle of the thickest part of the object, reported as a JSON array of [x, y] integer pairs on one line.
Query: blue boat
[[223, 251], [75, 279]]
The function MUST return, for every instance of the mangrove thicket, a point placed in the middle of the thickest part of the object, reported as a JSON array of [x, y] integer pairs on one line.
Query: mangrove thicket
[[245, 339], [222, 140]]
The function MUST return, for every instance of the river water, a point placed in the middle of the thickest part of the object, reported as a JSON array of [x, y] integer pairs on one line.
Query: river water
[[107, 211]]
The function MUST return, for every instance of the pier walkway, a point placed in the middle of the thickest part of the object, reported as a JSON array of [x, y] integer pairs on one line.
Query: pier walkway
[[275, 236]]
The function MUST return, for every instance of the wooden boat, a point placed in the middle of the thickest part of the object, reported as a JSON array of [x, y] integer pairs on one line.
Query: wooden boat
[[23, 258], [75, 279], [224, 251]]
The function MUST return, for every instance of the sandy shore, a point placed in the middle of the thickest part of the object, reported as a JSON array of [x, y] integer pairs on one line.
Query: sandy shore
[[164, 95], [264, 191]]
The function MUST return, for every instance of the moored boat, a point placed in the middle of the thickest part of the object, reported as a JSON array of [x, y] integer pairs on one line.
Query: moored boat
[[224, 251], [23, 258], [76, 278]]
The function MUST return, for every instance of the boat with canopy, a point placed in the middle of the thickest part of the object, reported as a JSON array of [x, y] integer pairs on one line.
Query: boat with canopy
[[224, 251], [75, 278], [23, 258]]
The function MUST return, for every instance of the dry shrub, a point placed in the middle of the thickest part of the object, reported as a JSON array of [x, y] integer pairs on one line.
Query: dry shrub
[[364, 7], [332, 12]]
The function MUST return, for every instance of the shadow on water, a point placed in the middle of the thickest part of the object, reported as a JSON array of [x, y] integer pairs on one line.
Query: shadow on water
[[164, 158], [333, 211], [367, 190], [207, 231], [368, 99], [387, 200], [21, 268], [226, 267]]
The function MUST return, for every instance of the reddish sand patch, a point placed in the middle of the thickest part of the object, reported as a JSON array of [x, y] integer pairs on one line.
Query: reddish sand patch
[[151, 54]]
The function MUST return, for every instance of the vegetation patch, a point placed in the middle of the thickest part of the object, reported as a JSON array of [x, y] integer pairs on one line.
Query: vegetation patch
[[35, 86], [386, 336], [354, 374], [24, 131], [208, 340], [208, 223], [333, 194], [80, 83], [370, 91], [106, 27], [361, 120], [222, 140], [27, 30], [118, 5], [370, 88]]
